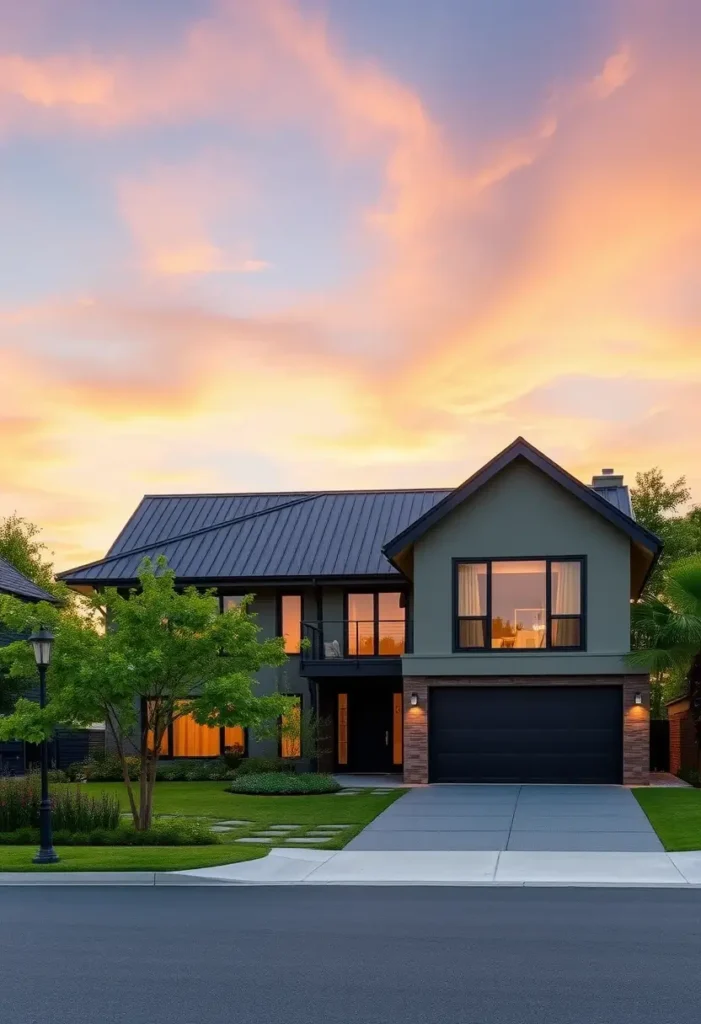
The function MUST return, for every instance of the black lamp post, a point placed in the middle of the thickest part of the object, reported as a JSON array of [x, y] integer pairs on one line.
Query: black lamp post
[[42, 642]]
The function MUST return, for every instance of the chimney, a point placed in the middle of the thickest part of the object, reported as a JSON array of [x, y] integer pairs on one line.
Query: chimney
[[607, 478]]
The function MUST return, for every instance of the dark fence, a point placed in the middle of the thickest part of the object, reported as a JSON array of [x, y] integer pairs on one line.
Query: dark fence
[[659, 745]]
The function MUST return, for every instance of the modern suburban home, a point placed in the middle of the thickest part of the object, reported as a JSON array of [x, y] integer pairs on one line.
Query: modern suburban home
[[69, 744], [469, 635]]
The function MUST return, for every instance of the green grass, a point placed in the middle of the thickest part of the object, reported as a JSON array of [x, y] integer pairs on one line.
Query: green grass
[[212, 801], [675, 814], [126, 858]]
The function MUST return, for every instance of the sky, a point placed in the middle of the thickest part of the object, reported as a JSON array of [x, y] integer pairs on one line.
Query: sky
[[300, 244]]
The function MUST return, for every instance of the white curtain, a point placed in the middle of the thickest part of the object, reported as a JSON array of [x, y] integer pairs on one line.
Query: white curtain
[[468, 589], [568, 589]]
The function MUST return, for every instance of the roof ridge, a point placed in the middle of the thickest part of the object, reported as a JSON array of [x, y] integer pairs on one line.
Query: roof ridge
[[301, 494], [143, 548]]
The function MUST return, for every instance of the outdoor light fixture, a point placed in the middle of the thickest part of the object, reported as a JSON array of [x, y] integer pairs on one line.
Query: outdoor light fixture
[[42, 644], [638, 698], [414, 700]]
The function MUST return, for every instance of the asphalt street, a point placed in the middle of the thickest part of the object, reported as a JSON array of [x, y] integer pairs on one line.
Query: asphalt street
[[283, 955]]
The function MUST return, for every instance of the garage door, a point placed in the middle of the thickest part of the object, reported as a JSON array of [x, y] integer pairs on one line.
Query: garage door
[[526, 734]]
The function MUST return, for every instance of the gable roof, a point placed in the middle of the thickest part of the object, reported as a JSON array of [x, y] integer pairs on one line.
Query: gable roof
[[294, 535], [15, 583], [599, 500]]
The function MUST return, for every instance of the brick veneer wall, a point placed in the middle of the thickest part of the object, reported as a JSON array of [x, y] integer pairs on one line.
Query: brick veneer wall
[[675, 743], [636, 718]]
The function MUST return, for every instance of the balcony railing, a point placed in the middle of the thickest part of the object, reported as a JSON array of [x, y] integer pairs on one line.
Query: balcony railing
[[334, 640]]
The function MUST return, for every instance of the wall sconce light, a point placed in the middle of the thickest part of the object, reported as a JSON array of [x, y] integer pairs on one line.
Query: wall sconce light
[[414, 700], [638, 698]]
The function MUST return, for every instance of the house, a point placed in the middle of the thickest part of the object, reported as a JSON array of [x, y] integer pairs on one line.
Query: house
[[684, 753], [469, 635], [69, 745]]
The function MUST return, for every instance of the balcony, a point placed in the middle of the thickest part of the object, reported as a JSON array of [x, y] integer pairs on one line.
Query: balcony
[[336, 648]]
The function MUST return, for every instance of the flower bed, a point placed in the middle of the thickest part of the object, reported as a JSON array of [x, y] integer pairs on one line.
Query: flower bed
[[170, 833], [284, 784]]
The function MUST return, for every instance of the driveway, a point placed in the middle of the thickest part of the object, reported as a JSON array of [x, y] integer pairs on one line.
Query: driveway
[[555, 818]]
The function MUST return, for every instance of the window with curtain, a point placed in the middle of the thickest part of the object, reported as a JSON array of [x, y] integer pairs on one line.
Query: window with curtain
[[291, 622], [231, 601], [290, 731], [376, 624], [193, 740], [519, 604]]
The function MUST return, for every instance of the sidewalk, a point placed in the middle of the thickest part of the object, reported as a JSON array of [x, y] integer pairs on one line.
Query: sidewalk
[[438, 867]]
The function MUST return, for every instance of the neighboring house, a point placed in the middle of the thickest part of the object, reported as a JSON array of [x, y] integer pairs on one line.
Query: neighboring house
[[683, 740], [468, 635], [69, 744]]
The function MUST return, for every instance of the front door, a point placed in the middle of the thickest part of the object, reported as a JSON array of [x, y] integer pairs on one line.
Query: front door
[[370, 730]]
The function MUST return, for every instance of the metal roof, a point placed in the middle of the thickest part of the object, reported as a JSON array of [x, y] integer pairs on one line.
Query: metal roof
[[292, 535], [247, 536], [14, 582]]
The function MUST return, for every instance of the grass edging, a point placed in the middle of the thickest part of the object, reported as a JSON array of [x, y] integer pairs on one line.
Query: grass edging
[[675, 815]]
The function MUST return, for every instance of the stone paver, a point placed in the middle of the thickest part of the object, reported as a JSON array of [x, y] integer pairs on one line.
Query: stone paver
[[235, 822], [221, 828], [281, 827], [301, 840], [251, 840], [512, 817]]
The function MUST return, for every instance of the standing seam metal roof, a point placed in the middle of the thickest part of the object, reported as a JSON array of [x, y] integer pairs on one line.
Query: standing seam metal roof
[[293, 534], [14, 582]]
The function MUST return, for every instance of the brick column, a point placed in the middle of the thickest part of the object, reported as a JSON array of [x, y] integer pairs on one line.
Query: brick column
[[636, 731], [415, 732]]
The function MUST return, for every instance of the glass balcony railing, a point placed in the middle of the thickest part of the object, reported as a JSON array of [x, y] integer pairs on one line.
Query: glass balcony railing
[[354, 638]]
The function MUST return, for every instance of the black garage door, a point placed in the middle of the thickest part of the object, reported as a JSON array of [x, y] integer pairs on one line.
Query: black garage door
[[526, 734]]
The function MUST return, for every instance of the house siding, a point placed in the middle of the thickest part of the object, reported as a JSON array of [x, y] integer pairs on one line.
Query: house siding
[[522, 513]]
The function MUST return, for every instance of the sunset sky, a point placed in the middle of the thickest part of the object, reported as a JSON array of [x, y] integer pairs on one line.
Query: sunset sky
[[297, 244]]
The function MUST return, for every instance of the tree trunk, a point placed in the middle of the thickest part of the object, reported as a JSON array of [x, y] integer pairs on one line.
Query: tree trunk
[[116, 733]]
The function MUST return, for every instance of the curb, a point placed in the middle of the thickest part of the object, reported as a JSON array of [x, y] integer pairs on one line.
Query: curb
[[111, 878]]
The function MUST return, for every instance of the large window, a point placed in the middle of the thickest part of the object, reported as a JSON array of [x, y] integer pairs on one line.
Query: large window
[[376, 624], [185, 738], [291, 622], [519, 604]]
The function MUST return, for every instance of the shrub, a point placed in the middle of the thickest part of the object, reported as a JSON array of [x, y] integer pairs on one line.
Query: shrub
[[193, 771], [55, 774], [690, 775], [72, 809], [284, 784], [261, 765], [177, 832], [104, 768], [232, 757]]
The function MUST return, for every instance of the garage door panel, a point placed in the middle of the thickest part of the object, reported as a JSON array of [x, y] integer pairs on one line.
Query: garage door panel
[[526, 734]]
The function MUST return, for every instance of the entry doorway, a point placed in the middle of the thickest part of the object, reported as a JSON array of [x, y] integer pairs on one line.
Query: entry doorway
[[369, 730]]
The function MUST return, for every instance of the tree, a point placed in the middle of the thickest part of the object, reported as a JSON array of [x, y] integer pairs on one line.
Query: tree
[[667, 630], [167, 651], [19, 546], [656, 506]]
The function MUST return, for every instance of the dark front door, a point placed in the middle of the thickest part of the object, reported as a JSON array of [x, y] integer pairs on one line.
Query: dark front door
[[526, 734], [370, 730]]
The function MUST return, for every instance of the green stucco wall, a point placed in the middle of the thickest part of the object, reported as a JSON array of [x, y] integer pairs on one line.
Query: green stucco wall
[[522, 512]]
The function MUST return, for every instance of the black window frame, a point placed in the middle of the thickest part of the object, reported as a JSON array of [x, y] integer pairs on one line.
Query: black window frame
[[278, 617], [486, 619], [375, 592]]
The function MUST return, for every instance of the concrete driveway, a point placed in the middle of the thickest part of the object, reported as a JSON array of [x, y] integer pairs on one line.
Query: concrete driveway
[[555, 818]]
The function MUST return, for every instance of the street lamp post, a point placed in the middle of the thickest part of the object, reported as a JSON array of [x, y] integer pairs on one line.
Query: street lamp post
[[42, 642]]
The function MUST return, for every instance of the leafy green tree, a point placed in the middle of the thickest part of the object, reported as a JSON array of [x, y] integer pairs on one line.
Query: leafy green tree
[[20, 547], [667, 631], [657, 505], [168, 651]]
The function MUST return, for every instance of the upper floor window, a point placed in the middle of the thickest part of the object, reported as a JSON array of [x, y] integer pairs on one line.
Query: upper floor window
[[231, 601], [519, 604], [291, 622], [376, 623]]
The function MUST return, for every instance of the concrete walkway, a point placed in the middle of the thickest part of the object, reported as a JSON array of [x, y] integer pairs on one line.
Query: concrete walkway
[[526, 818]]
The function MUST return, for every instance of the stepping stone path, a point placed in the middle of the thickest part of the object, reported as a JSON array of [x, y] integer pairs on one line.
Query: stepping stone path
[[306, 839], [235, 822], [380, 792], [252, 840], [284, 828], [348, 792], [221, 828]]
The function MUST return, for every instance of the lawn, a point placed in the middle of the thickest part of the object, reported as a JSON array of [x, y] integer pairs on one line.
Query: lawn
[[675, 814], [211, 800]]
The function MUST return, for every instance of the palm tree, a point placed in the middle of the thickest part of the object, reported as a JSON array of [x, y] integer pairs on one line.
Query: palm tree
[[666, 630]]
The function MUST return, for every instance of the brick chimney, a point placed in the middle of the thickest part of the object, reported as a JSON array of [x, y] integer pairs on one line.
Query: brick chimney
[[607, 478]]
